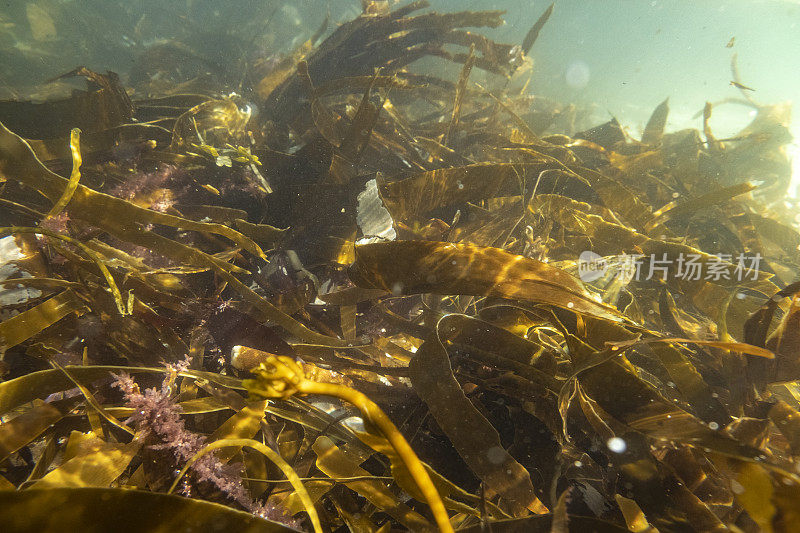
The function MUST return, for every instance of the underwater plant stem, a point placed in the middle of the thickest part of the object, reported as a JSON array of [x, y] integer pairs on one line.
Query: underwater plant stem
[[91, 400], [74, 177], [270, 454], [375, 416], [282, 377]]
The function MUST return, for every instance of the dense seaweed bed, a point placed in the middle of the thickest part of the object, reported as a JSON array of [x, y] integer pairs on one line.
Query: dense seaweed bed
[[573, 330]]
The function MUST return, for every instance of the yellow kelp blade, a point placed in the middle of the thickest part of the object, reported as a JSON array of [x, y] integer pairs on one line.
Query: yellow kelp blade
[[93, 510]]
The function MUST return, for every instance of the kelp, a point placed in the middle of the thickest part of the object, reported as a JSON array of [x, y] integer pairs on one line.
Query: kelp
[[25, 325], [494, 323], [474, 437], [89, 461], [76, 509], [334, 463]]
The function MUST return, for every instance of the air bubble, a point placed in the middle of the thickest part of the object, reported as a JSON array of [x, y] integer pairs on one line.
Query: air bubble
[[617, 445]]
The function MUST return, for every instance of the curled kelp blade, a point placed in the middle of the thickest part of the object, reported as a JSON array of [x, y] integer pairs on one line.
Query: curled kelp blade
[[102, 510], [411, 267]]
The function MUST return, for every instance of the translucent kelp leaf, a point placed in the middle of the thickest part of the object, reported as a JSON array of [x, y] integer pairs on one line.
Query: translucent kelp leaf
[[360, 83], [372, 217], [785, 342], [389, 40], [634, 516], [242, 425], [675, 210], [768, 493], [448, 491], [215, 124], [645, 481], [197, 406], [501, 349], [625, 202], [757, 325], [363, 121], [74, 509], [771, 230], [787, 420], [91, 463], [461, 87], [691, 384], [640, 406], [283, 70], [533, 33]]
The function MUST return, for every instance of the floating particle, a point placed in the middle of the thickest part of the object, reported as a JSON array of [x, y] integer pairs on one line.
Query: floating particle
[[496, 455], [577, 74]]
